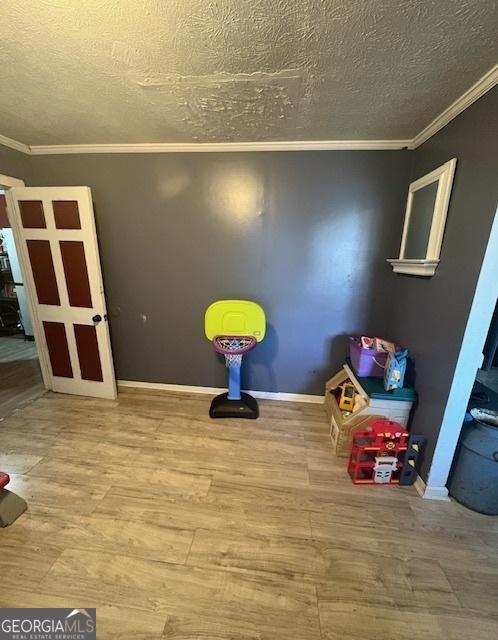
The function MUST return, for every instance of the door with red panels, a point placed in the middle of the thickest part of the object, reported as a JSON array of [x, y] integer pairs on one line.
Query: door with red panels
[[55, 228]]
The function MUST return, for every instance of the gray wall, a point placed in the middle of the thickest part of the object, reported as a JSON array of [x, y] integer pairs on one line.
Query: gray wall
[[14, 164], [430, 315], [304, 234]]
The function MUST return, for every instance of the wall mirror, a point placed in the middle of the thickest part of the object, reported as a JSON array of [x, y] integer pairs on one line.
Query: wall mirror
[[425, 218]]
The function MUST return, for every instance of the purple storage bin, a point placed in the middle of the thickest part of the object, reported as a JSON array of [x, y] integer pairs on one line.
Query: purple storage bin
[[366, 362]]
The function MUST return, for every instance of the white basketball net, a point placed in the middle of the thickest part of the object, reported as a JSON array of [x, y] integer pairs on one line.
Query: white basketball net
[[233, 359], [237, 344]]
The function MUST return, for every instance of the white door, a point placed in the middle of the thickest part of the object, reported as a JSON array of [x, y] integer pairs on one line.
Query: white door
[[54, 229]]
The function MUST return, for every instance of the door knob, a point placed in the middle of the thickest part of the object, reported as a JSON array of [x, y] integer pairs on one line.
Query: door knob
[[97, 319]]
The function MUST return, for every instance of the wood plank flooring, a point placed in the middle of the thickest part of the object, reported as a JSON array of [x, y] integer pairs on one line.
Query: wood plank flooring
[[20, 376], [178, 527]]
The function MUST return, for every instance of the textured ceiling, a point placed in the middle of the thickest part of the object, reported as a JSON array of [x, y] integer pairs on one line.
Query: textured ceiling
[[97, 71]]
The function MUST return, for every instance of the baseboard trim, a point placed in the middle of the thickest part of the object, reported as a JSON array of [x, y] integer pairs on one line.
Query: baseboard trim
[[431, 493], [212, 391], [420, 486], [436, 493]]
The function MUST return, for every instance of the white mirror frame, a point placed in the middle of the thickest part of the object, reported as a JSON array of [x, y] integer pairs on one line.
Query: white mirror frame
[[427, 266]]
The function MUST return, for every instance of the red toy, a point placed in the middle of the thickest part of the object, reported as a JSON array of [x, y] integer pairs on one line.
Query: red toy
[[11, 505], [378, 453], [4, 479]]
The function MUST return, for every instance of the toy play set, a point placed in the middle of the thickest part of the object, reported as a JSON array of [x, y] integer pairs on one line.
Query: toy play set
[[370, 400], [347, 396], [368, 405], [385, 453], [234, 327]]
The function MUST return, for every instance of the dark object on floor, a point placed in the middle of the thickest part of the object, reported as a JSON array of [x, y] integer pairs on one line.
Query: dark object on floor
[[483, 397], [11, 505], [479, 397], [222, 407], [408, 474], [475, 476]]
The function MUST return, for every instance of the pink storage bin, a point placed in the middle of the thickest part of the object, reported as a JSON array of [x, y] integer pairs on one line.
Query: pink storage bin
[[366, 362]]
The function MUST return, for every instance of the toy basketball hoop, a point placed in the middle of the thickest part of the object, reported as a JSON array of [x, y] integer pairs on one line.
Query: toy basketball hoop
[[234, 328], [233, 348]]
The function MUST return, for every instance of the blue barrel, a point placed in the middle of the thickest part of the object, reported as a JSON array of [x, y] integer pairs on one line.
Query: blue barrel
[[475, 476]]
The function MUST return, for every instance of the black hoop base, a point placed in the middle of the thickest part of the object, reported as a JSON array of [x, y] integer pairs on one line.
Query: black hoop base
[[222, 407]]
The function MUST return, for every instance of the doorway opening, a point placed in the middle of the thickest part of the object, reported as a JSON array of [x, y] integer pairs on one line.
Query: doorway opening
[[469, 364], [488, 373], [20, 373]]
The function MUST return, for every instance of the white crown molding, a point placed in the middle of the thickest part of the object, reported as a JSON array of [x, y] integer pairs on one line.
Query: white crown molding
[[14, 144], [213, 391], [482, 86], [487, 82], [221, 147]]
